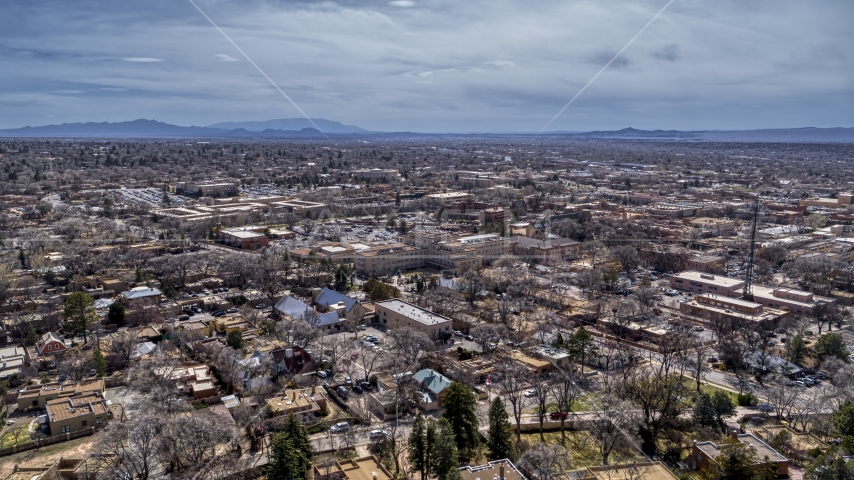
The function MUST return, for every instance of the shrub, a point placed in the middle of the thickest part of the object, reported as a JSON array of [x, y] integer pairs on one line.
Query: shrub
[[747, 400]]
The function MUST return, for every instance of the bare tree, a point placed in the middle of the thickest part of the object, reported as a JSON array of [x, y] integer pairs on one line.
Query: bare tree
[[610, 419], [544, 389], [76, 364], [567, 389], [408, 343], [130, 449], [514, 380], [545, 462]]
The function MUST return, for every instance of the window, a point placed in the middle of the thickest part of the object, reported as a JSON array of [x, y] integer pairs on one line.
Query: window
[[66, 429], [99, 420], [84, 423], [50, 347]]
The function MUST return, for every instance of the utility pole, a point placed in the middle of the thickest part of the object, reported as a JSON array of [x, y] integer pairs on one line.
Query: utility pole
[[747, 294]]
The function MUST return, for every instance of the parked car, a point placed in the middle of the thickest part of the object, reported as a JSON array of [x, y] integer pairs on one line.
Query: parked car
[[217, 313], [357, 389], [377, 434], [530, 393], [558, 415], [766, 407], [342, 391], [322, 374], [348, 380], [366, 385], [698, 328], [231, 310], [469, 338], [260, 306], [340, 427]]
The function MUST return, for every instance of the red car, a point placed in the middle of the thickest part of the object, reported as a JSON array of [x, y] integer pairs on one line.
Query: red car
[[557, 415]]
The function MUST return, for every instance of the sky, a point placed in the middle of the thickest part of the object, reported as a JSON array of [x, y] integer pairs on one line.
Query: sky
[[431, 65]]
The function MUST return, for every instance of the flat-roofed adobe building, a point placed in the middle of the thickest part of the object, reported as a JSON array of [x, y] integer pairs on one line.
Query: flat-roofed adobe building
[[247, 238], [793, 300], [495, 470], [705, 453], [710, 306], [365, 468], [629, 471], [397, 314], [781, 298], [699, 282], [70, 414]]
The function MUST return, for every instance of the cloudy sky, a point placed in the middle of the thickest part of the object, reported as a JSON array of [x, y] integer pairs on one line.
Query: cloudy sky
[[431, 65]]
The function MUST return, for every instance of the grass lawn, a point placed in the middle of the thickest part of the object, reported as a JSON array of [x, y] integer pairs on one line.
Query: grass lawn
[[15, 436], [583, 449], [584, 403], [691, 385]]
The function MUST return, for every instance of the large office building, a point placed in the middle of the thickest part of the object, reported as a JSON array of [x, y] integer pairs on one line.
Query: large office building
[[397, 314], [782, 298]]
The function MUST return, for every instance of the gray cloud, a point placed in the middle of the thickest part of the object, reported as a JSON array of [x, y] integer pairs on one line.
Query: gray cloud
[[440, 65], [669, 53]]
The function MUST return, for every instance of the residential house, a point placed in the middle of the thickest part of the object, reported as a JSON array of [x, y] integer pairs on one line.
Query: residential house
[[495, 470], [306, 404], [37, 396], [364, 468], [12, 360], [140, 297], [293, 359], [629, 471], [346, 307], [294, 309], [704, 453], [44, 472], [70, 414], [50, 344], [433, 385]]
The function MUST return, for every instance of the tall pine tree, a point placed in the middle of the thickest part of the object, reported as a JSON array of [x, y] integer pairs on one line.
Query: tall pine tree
[[418, 445], [498, 437], [291, 453], [445, 455], [459, 405]]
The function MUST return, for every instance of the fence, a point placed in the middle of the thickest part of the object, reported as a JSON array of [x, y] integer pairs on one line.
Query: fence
[[43, 442], [114, 381]]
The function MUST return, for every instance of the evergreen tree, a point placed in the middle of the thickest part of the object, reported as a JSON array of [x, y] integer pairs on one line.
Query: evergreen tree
[[581, 346], [79, 312], [830, 466], [116, 313], [283, 459], [796, 350], [704, 411], [498, 437], [291, 453], [723, 405], [418, 445], [234, 339], [100, 363], [445, 455], [168, 288], [459, 405], [32, 337], [830, 345]]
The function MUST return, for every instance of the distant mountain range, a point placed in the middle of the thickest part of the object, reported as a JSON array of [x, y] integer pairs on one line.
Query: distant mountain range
[[155, 129], [301, 128], [292, 124]]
